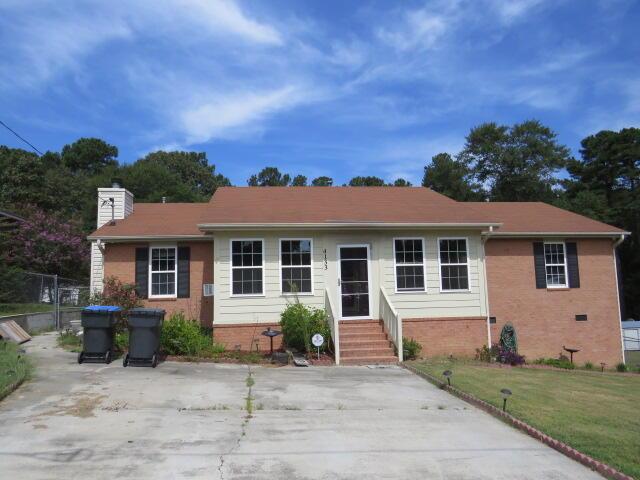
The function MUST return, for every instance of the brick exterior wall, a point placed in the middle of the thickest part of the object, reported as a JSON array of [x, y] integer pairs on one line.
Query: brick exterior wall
[[120, 261], [544, 319], [447, 336], [246, 336]]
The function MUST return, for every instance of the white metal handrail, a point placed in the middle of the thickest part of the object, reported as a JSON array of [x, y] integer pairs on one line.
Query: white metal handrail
[[392, 322], [333, 324]]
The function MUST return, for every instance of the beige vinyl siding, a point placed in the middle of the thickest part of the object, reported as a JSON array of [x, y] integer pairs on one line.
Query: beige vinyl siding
[[433, 302], [267, 308]]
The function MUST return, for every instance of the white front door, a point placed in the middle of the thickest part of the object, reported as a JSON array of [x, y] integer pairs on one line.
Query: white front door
[[353, 281]]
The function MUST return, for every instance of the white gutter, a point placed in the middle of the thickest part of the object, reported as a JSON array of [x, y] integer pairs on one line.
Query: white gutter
[[334, 225], [555, 234], [146, 238], [616, 243]]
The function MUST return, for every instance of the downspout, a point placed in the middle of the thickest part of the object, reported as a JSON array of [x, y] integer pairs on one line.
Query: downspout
[[616, 243], [100, 246], [484, 239]]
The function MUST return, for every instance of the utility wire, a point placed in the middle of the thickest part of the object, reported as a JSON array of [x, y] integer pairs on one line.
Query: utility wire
[[21, 138]]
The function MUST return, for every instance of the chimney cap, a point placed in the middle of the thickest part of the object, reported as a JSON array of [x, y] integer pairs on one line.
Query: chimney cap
[[116, 183]]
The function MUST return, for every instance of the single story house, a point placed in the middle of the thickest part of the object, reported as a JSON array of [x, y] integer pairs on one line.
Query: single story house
[[385, 262]]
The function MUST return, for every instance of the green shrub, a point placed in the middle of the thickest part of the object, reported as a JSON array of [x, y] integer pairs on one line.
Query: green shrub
[[562, 362], [621, 367], [300, 322], [185, 337], [410, 348], [588, 366]]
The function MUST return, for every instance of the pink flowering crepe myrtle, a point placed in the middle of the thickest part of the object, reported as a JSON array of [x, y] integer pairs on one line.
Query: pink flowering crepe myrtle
[[47, 243]]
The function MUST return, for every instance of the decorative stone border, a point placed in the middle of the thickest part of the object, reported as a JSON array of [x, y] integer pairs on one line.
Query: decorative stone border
[[561, 447]]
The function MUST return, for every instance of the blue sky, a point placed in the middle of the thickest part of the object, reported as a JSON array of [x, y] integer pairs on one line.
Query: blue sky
[[314, 87]]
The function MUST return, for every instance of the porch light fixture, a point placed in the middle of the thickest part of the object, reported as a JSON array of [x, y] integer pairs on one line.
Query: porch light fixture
[[506, 393], [447, 374]]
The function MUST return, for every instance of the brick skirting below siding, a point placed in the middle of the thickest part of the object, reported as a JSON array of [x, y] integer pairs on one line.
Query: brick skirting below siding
[[458, 336], [247, 336]]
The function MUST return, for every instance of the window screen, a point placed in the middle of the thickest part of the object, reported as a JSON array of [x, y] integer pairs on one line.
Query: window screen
[[246, 267], [454, 264], [295, 261], [409, 254]]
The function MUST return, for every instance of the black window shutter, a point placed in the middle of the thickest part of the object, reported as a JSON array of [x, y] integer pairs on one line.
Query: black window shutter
[[572, 265], [184, 257], [538, 261], [142, 272]]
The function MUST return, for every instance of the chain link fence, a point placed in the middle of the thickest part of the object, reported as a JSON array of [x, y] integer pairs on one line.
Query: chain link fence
[[32, 293]]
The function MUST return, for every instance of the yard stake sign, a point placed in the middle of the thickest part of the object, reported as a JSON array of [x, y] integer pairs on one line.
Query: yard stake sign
[[317, 341]]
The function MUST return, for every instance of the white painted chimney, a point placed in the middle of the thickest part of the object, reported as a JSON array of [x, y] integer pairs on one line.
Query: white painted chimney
[[115, 203]]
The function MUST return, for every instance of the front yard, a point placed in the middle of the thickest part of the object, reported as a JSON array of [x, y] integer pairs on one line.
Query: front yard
[[593, 412]]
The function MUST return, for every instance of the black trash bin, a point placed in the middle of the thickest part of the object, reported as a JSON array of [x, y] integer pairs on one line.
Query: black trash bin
[[145, 325], [98, 322]]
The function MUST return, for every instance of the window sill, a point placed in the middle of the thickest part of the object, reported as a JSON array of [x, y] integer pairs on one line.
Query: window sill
[[162, 299], [558, 289]]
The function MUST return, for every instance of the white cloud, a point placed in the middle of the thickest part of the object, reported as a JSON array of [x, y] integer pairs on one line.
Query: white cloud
[[234, 114], [510, 11], [418, 29]]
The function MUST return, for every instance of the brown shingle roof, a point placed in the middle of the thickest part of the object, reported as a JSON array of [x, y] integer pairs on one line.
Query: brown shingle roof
[[343, 205], [157, 219], [538, 217], [337, 205]]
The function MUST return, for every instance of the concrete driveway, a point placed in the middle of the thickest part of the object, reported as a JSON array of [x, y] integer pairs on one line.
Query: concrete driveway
[[188, 421]]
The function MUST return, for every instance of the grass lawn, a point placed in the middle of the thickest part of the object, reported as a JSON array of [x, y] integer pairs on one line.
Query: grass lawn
[[14, 367], [17, 308], [595, 413]]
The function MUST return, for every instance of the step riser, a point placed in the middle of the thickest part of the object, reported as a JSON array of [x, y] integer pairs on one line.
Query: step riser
[[354, 337], [373, 352], [365, 344], [369, 361], [361, 330]]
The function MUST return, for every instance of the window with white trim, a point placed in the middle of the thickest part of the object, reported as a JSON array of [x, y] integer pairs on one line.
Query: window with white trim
[[246, 267], [163, 274], [409, 258], [295, 266], [454, 264], [555, 264]]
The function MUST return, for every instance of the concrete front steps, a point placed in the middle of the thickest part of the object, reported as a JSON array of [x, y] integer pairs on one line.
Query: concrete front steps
[[364, 342]]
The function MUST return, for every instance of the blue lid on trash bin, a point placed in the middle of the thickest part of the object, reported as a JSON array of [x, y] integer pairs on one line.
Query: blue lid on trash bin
[[103, 308]]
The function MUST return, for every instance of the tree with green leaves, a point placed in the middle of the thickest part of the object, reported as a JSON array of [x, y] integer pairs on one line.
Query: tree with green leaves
[[450, 177], [191, 168], [401, 182], [322, 182], [89, 156], [515, 163], [299, 181], [366, 182], [269, 177], [603, 184]]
